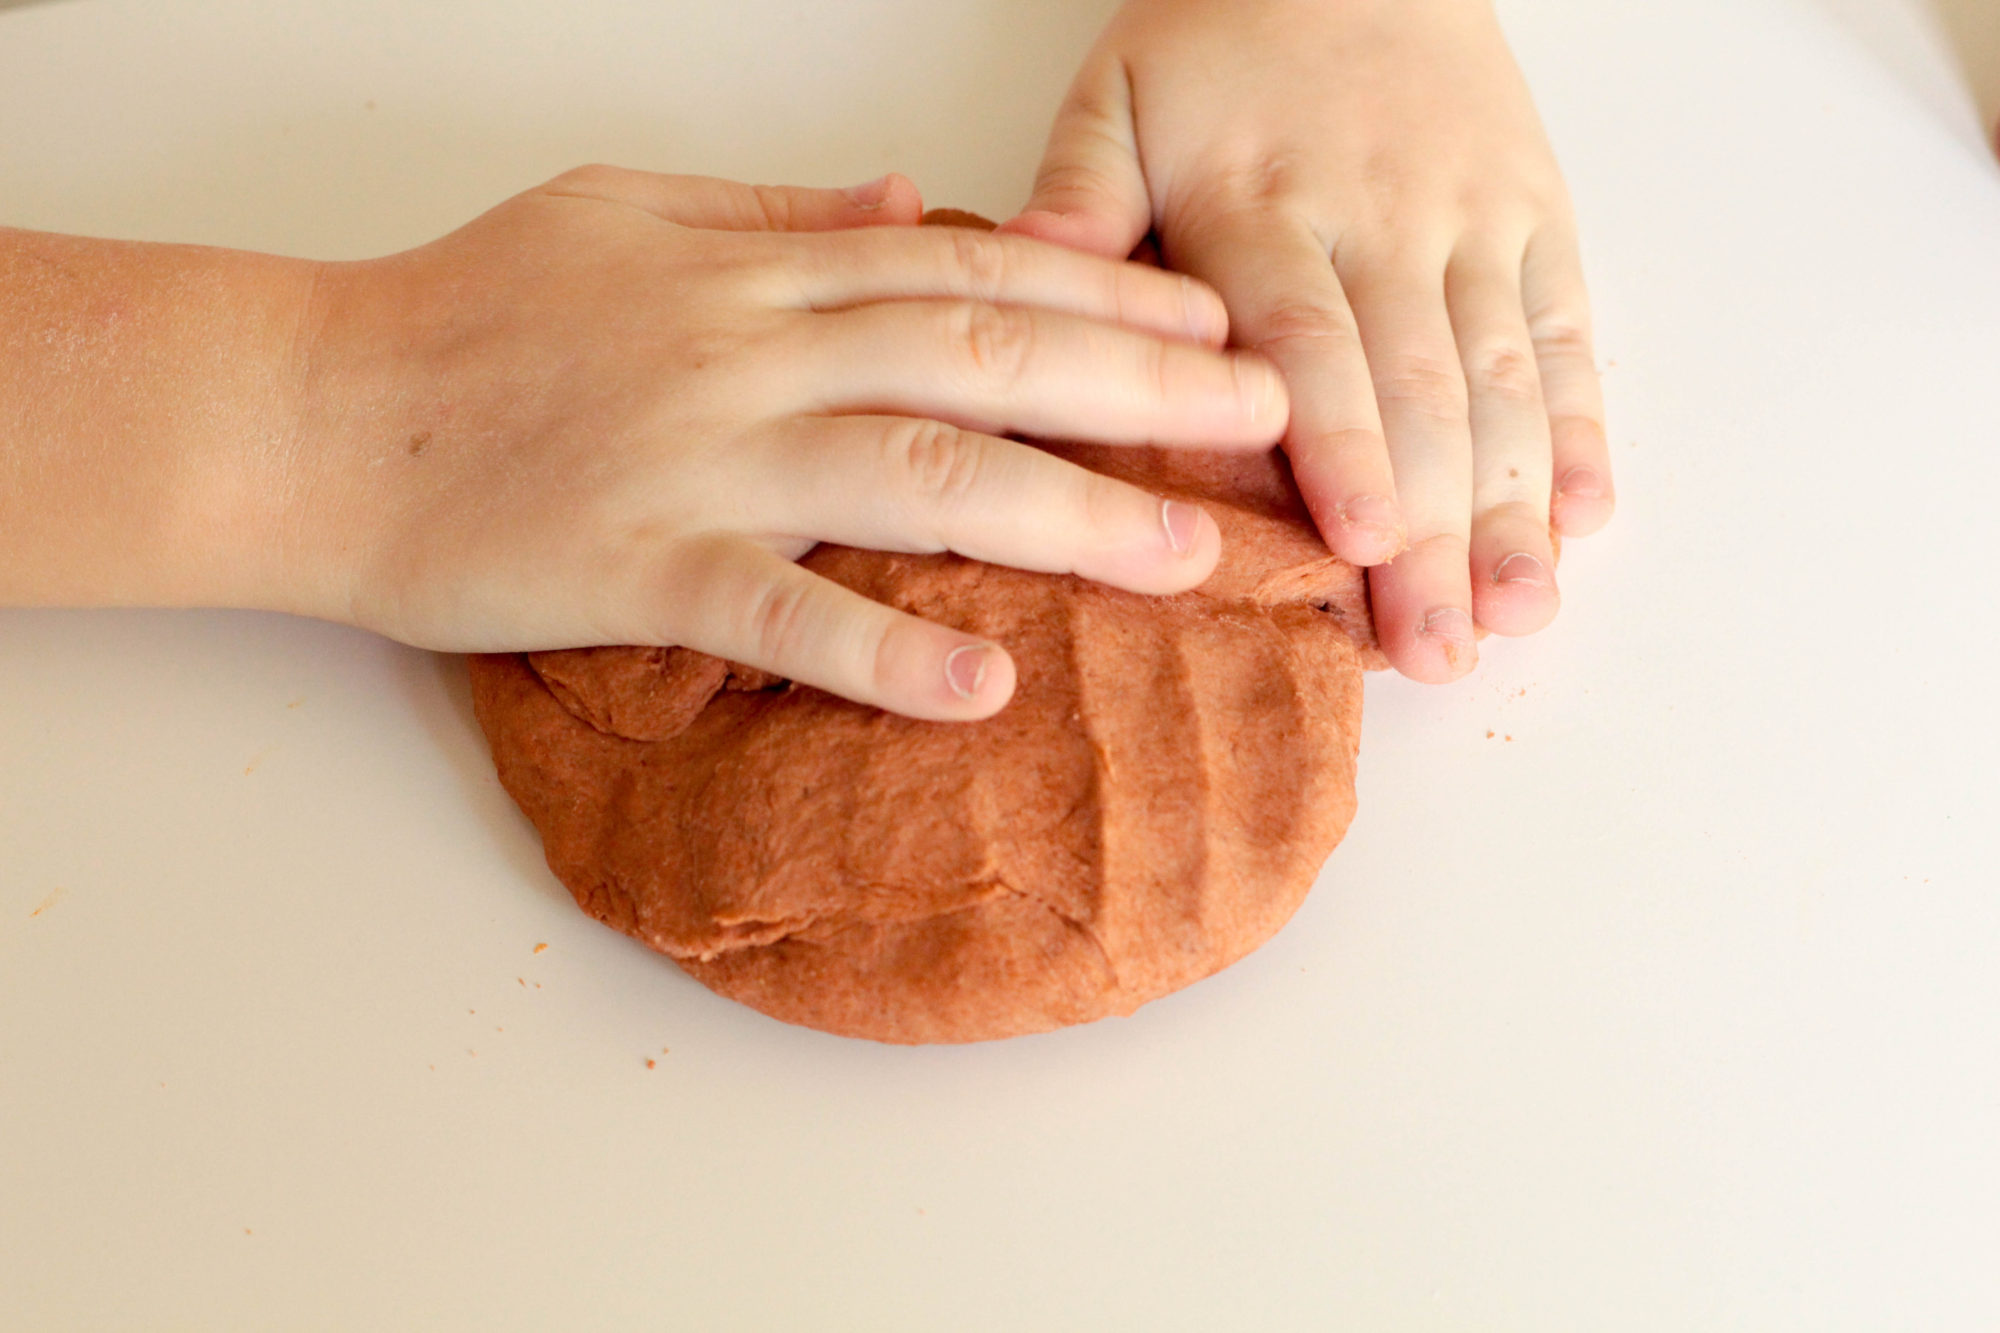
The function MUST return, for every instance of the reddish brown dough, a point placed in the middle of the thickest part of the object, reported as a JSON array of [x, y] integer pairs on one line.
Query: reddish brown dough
[[1154, 803]]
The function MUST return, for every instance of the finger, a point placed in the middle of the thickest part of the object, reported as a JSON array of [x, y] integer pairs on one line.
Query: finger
[[1424, 596], [1558, 310], [1006, 370], [737, 600], [1090, 192], [1512, 558], [896, 484], [705, 201], [1421, 606], [1286, 302], [939, 262]]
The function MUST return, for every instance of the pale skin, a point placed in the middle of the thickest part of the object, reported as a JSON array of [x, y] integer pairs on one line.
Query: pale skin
[[1367, 185], [615, 409]]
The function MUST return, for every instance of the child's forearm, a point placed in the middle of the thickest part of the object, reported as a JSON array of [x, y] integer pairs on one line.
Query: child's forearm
[[148, 407], [612, 409]]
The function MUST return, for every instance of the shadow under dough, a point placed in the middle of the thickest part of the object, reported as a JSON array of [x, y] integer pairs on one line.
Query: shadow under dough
[[441, 693]]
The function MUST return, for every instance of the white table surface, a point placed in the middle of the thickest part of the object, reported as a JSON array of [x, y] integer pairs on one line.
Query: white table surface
[[1673, 1005]]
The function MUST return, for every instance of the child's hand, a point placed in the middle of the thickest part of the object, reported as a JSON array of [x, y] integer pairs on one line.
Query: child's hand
[[1445, 407], [616, 409]]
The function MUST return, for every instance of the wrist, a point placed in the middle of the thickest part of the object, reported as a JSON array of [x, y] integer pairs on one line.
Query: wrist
[[363, 436], [235, 511], [146, 411]]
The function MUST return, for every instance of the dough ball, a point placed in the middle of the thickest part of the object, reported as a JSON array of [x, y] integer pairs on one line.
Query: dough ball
[[1153, 804]]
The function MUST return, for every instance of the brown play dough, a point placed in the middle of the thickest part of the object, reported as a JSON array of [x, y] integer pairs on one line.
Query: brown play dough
[[1152, 805]]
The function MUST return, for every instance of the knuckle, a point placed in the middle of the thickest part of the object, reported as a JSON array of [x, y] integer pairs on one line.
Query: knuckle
[[1265, 181], [1255, 196], [1578, 434], [939, 463], [1429, 386], [1122, 299], [1549, 198], [770, 207], [778, 621], [1386, 189], [1157, 371], [590, 178], [883, 663], [981, 261], [1516, 511], [1072, 178], [1506, 373], [1095, 104], [1313, 325], [996, 343], [1561, 340]]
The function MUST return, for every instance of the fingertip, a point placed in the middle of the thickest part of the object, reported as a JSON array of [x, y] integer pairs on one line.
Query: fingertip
[[1207, 554], [1575, 515], [1584, 495], [1516, 596], [1207, 315], [1152, 546], [1423, 618], [1230, 401], [978, 679], [1439, 648], [905, 201], [1193, 548], [935, 674], [888, 201]]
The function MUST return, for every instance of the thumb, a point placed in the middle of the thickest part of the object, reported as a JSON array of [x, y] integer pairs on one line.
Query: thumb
[[1090, 193], [725, 205]]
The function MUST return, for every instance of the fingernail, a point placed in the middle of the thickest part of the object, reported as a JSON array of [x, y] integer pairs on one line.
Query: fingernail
[[1448, 622], [1521, 567], [1373, 515], [1580, 481], [872, 195], [1452, 628], [965, 669], [1182, 522]]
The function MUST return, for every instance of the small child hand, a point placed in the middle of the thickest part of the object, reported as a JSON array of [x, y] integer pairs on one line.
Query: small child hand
[[1368, 186], [615, 409]]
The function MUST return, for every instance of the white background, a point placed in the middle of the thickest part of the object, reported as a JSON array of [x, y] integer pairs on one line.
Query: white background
[[1678, 1010]]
